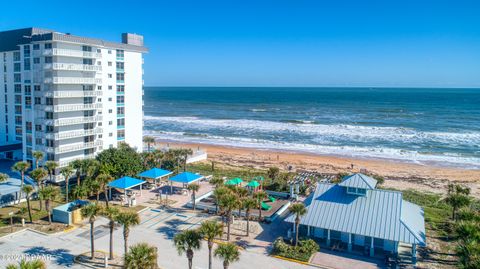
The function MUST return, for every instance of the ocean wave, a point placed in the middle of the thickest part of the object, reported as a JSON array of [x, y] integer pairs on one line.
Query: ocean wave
[[320, 132], [378, 152]]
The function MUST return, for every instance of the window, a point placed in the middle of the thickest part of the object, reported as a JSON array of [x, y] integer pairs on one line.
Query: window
[[49, 115], [26, 51], [120, 54], [88, 61], [109, 51], [28, 101], [48, 46], [110, 122], [36, 88], [121, 122], [48, 60], [50, 143], [26, 64], [18, 99], [17, 78], [49, 128], [109, 63], [110, 87], [38, 127], [110, 76], [16, 56], [38, 141], [49, 101], [18, 88], [120, 134], [28, 126], [110, 111], [120, 88], [88, 100], [86, 48], [38, 100], [120, 99], [36, 60], [120, 111], [120, 76], [99, 88], [28, 90], [109, 99], [120, 66], [36, 46], [88, 87], [88, 113], [17, 67], [110, 134]]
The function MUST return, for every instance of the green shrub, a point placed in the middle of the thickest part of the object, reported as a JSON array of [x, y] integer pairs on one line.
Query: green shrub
[[305, 249]]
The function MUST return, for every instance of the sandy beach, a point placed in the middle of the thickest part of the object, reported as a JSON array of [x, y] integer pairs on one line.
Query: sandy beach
[[397, 175]]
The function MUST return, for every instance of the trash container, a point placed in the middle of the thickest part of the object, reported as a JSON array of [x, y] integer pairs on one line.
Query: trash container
[[133, 202]]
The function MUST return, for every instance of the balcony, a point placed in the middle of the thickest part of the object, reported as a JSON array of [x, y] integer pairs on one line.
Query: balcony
[[73, 147], [71, 53], [73, 80], [73, 107], [74, 67], [67, 94], [73, 134], [67, 162], [73, 121]]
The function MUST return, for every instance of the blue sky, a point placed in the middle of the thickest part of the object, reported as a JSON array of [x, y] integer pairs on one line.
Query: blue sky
[[281, 43]]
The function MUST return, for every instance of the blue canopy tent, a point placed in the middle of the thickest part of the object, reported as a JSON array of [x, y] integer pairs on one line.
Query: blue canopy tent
[[125, 183], [155, 174], [185, 178]]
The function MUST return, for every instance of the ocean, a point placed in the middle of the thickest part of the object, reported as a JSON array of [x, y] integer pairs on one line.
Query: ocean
[[425, 126]]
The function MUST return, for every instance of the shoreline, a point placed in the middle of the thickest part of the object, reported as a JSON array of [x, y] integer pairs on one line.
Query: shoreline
[[397, 174]]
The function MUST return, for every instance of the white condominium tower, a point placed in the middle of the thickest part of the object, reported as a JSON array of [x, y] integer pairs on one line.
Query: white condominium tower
[[68, 96]]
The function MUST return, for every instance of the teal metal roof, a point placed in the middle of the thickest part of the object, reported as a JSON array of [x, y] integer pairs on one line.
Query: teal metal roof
[[359, 181], [155, 173], [379, 214], [186, 177], [126, 183]]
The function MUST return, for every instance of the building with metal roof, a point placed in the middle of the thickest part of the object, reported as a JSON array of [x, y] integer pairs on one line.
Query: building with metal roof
[[355, 214]]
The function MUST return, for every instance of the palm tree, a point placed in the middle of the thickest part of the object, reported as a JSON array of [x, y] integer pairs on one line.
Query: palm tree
[[228, 252], [141, 256], [48, 194], [187, 241], [216, 182], [149, 140], [468, 254], [209, 230], [91, 211], [34, 264], [111, 214], [39, 174], [103, 180], [81, 167], [218, 193], [27, 189], [299, 210], [80, 191], [38, 155], [249, 204], [3, 177], [95, 187], [242, 193], [21, 167], [51, 166], [457, 197], [229, 202], [260, 196], [194, 187], [127, 219], [66, 172]]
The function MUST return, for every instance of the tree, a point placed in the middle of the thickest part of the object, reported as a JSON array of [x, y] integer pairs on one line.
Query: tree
[[209, 230], [148, 140], [38, 156], [80, 191], [66, 172], [186, 242], [3, 177], [229, 202], [299, 210], [91, 211], [273, 173], [216, 182], [127, 219], [242, 194], [457, 197], [21, 167], [260, 196], [194, 187], [51, 166], [39, 174], [79, 166], [27, 189], [95, 187], [34, 264], [103, 180], [249, 204], [141, 256], [111, 214], [121, 161], [218, 193], [469, 254], [228, 252], [48, 194]]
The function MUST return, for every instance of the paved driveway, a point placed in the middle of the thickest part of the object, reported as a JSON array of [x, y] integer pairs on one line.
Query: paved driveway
[[344, 260], [156, 228]]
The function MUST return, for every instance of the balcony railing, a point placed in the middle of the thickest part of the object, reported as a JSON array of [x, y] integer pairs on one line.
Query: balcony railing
[[73, 121], [67, 94], [72, 53], [73, 134], [73, 67], [67, 162], [73, 80], [74, 147], [73, 107]]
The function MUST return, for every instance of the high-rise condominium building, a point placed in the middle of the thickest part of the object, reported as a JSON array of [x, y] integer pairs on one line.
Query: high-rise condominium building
[[68, 96]]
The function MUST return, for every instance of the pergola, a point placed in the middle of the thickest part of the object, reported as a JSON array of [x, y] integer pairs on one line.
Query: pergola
[[185, 178], [125, 183], [155, 174]]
